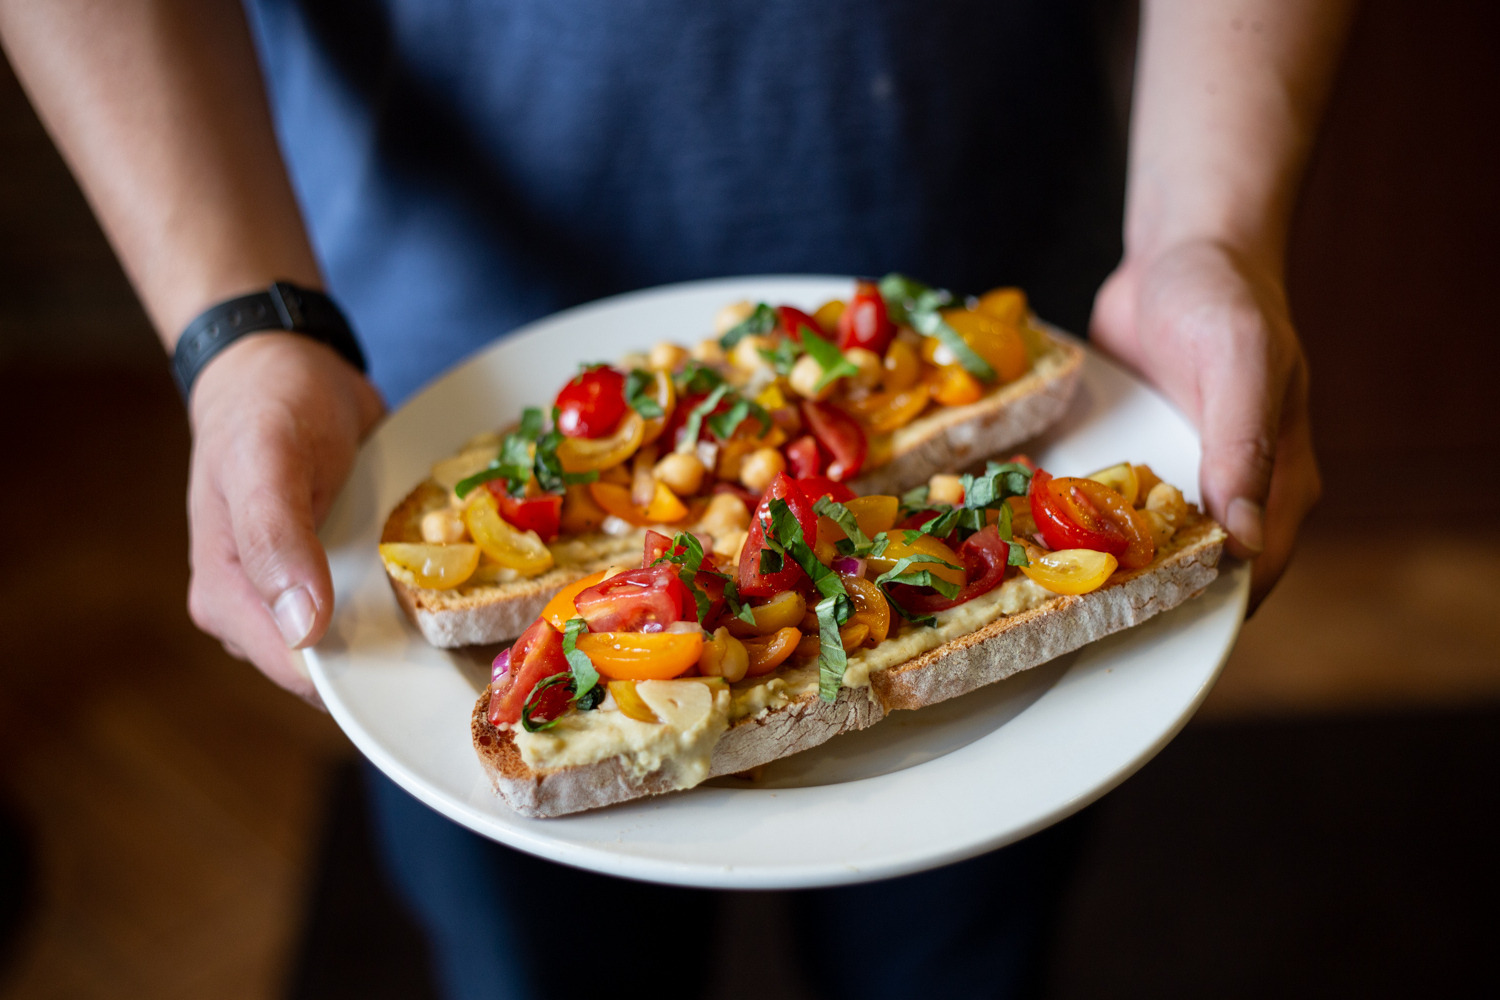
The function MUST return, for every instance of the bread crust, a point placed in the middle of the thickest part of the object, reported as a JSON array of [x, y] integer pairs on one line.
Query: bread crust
[[998, 650], [943, 441]]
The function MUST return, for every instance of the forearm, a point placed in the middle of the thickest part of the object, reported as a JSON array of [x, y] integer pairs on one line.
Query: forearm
[[159, 109], [1227, 98]]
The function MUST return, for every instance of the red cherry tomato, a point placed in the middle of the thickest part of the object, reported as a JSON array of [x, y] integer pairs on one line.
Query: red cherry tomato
[[754, 583], [804, 458], [817, 487], [865, 321], [541, 514], [1069, 521], [841, 435], [794, 319], [985, 557], [709, 579], [637, 600], [591, 405], [537, 655]]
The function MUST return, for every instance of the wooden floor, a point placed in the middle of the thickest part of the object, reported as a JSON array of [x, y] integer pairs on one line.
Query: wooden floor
[[172, 796]]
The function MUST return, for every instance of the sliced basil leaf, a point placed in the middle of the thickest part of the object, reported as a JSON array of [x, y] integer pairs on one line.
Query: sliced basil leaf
[[828, 357], [732, 597], [832, 660], [527, 722], [770, 561], [513, 464], [640, 393], [725, 424], [931, 323], [697, 377], [759, 323], [783, 356], [585, 677], [833, 610], [689, 562], [1017, 555], [592, 700], [859, 543], [694, 424]]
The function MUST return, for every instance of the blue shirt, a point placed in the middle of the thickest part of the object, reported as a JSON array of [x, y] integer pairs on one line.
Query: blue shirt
[[465, 166]]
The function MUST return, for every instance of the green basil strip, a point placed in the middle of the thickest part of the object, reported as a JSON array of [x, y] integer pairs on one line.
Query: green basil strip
[[513, 464], [640, 393], [834, 610], [697, 377], [902, 573], [527, 722], [694, 423], [759, 323], [844, 518], [930, 322], [689, 563], [725, 424], [782, 357], [584, 674], [737, 608], [828, 357]]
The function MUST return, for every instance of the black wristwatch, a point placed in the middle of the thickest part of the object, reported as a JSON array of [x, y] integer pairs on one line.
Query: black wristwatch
[[283, 306]]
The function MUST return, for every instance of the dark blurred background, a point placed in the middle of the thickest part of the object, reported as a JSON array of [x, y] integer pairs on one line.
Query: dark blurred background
[[176, 827]]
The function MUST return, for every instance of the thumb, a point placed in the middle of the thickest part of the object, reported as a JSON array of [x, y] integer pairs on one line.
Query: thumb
[[1240, 423], [279, 552]]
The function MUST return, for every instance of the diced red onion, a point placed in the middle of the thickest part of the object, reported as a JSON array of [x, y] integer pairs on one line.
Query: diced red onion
[[501, 666], [849, 566]]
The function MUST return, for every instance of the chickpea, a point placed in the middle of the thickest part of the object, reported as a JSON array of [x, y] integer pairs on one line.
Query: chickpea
[[804, 379], [726, 513], [728, 545], [1167, 501], [871, 366], [667, 356], [760, 467], [682, 472], [442, 527], [724, 656], [746, 353], [1160, 530], [732, 316], [709, 352], [944, 488]]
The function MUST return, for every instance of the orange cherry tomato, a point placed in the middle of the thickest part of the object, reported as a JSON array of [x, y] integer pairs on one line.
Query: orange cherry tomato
[[561, 609], [953, 386], [772, 651], [642, 656], [1008, 305], [664, 508], [903, 366]]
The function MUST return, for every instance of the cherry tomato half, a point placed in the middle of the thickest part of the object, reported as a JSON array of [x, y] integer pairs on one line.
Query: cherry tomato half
[[985, 557], [542, 514], [708, 579], [804, 458], [537, 655], [841, 435], [1084, 514], [591, 405], [792, 320], [637, 600], [754, 583], [865, 322]]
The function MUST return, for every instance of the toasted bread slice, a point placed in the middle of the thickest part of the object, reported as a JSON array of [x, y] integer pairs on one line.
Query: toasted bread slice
[[495, 606], [1008, 645]]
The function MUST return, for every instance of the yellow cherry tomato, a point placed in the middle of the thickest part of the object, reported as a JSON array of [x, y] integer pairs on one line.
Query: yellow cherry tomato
[[630, 702], [522, 551], [561, 609], [1008, 305], [828, 314], [953, 386], [874, 513], [641, 656], [884, 412], [437, 567], [902, 366], [1070, 571], [898, 548], [664, 508], [998, 343], [1121, 478], [666, 397], [597, 454]]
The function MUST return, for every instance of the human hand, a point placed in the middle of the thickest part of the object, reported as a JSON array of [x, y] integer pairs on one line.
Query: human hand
[[277, 419], [1210, 328]]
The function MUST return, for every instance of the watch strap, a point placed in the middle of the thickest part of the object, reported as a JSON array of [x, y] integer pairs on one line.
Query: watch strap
[[283, 307]]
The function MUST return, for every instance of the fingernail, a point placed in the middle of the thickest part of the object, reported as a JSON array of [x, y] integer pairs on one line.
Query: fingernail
[[1246, 522], [294, 612]]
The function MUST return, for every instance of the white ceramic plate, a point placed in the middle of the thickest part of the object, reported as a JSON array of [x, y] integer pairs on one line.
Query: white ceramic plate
[[920, 789]]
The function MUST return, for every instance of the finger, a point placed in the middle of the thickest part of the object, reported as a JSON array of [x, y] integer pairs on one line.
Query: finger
[[1243, 395], [222, 603], [1296, 486], [268, 491]]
